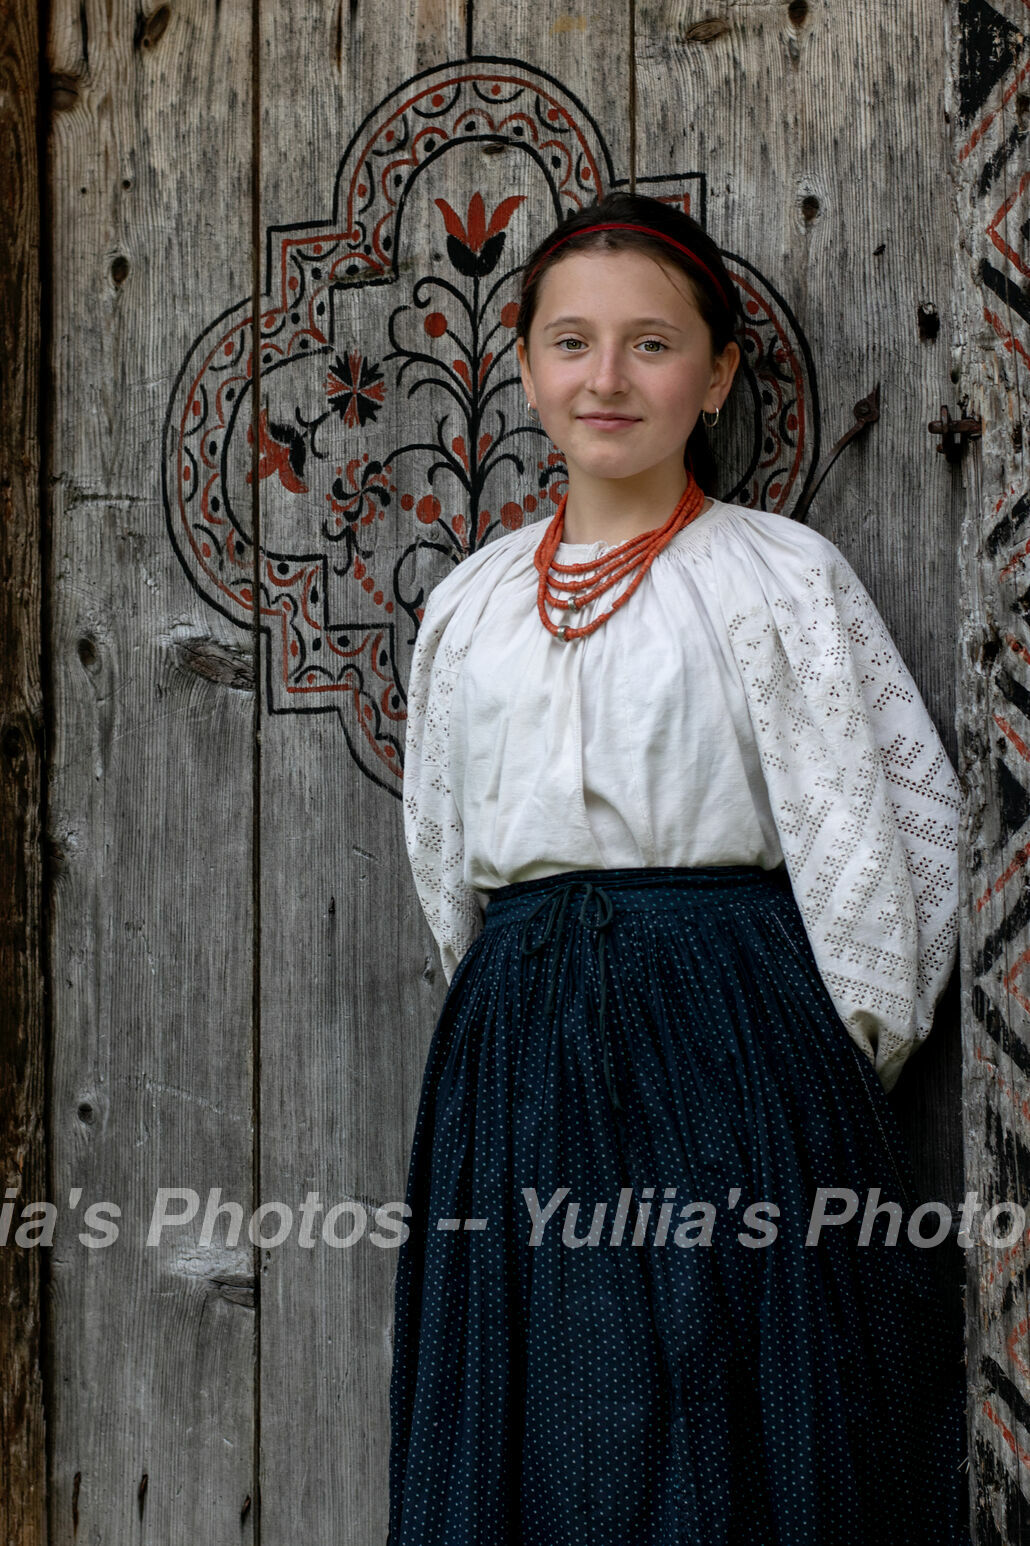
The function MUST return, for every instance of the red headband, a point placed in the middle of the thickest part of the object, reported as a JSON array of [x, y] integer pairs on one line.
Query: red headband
[[646, 230]]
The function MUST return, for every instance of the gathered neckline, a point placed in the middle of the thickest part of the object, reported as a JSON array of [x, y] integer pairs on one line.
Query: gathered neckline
[[683, 535]]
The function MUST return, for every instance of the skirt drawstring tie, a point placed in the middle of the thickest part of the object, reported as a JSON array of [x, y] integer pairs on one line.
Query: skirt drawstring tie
[[556, 904]]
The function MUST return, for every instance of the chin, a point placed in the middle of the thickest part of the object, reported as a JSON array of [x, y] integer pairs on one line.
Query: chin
[[612, 467]]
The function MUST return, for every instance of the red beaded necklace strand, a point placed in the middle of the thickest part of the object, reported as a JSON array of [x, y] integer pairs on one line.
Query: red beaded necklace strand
[[602, 573]]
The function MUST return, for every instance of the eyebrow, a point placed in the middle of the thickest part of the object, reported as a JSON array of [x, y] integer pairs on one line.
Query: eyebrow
[[636, 323]]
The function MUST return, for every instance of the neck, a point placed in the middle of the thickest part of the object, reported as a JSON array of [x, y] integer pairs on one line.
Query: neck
[[612, 510]]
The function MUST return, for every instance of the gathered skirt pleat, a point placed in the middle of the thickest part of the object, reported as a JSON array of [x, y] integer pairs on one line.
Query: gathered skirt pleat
[[616, 1050]]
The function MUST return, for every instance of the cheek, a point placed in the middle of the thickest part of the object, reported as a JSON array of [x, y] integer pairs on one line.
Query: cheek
[[553, 384], [690, 385]]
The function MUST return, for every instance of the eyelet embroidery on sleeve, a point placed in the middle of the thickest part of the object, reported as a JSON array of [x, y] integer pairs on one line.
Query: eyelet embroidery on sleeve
[[866, 803], [433, 831]]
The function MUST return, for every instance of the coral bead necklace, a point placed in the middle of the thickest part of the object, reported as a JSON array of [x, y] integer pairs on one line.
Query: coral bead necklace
[[600, 574]]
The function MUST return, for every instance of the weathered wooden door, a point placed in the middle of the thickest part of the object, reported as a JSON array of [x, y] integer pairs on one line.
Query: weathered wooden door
[[271, 401]]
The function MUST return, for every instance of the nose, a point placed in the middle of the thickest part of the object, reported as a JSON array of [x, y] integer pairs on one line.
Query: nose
[[608, 371]]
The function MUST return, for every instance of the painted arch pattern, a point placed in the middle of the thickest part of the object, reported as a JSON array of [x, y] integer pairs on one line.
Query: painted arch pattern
[[391, 437]]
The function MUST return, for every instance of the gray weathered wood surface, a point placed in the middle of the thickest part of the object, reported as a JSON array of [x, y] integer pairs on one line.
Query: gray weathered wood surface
[[151, 1411], [241, 988]]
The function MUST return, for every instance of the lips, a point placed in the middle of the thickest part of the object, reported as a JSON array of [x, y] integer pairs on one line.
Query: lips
[[607, 421]]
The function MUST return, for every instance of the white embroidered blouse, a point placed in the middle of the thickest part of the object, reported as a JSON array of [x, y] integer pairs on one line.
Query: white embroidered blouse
[[746, 706]]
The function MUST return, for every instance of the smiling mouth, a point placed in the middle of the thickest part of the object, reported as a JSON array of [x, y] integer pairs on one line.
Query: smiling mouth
[[609, 418]]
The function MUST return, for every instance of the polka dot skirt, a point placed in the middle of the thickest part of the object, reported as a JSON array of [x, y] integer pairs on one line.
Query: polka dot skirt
[[617, 1321]]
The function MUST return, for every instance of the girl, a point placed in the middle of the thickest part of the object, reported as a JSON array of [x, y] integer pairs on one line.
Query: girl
[[686, 837]]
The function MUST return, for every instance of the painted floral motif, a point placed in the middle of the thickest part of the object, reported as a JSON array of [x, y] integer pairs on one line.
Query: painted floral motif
[[282, 451], [470, 329], [355, 389], [475, 247]]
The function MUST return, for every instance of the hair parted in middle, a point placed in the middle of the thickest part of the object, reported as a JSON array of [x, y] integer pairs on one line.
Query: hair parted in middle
[[681, 241]]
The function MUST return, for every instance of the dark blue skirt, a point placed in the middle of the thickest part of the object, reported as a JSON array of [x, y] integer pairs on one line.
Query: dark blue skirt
[[585, 1354]]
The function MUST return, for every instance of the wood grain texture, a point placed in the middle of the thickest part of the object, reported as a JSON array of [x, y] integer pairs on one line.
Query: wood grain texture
[[989, 102], [151, 1418], [825, 153], [22, 749]]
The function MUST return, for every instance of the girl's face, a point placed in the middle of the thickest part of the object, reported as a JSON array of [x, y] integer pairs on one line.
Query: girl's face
[[620, 363]]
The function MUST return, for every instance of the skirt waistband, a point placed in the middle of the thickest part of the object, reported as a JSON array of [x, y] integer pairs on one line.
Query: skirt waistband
[[545, 906], [505, 901]]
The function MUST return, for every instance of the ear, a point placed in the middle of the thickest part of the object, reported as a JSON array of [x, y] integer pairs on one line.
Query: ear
[[524, 371], [724, 368]]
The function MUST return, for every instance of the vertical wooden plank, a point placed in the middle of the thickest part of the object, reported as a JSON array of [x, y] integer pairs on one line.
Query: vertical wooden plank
[[342, 1021], [823, 152], [151, 1426], [989, 103], [357, 528], [586, 47], [22, 1050]]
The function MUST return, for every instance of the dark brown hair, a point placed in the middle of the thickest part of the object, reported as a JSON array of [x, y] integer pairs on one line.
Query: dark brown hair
[[714, 292]]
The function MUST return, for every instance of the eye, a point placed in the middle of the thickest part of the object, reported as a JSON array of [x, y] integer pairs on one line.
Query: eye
[[562, 341], [657, 342]]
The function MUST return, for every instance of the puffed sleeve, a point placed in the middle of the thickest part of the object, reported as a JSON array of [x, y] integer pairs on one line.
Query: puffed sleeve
[[433, 833], [865, 799]]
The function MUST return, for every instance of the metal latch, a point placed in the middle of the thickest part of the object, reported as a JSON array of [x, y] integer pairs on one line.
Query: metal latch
[[954, 433]]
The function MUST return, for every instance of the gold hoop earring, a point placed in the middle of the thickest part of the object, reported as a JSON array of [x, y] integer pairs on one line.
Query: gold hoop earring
[[713, 421]]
